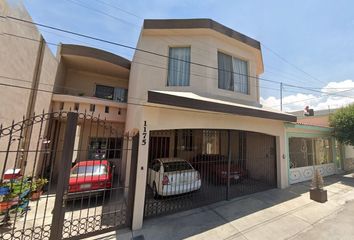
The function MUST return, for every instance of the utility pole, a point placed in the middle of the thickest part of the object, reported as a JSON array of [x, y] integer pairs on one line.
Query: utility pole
[[281, 96]]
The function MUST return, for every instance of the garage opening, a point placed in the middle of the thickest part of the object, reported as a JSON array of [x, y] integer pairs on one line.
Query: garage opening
[[189, 168]]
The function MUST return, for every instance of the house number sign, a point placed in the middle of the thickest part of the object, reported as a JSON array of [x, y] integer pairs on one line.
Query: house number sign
[[143, 141]]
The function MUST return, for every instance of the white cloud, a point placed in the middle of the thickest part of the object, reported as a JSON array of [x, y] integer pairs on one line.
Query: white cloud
[[334, 95]]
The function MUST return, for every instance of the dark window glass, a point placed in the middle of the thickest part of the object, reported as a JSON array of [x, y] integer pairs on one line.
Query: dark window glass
[[176, 166], [105, 148], [104, 92]]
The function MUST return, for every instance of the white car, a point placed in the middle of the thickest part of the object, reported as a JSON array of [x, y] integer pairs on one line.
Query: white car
[[172, 176]]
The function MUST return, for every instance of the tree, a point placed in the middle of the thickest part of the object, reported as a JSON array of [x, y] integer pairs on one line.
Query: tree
[[343, 123]]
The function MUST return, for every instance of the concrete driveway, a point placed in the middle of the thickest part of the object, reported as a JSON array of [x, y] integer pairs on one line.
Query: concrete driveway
[[273, 214]]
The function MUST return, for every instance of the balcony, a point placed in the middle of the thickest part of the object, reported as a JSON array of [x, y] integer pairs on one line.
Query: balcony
[[107, 109]]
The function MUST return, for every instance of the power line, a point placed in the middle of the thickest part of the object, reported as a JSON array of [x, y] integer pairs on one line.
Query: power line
[[293, 65], [139, 17], [122, 45], [155, 66], [199, 75], [140, 50], [141, 63], [79, 3], [308, 99]]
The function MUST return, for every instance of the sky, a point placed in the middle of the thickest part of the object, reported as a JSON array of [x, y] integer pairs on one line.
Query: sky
[[304, 43]]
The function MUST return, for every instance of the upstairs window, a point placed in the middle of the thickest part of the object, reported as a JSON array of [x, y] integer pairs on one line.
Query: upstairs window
[[233, 74], [120, 94], [111, 93], [179, 66], [105, 92]]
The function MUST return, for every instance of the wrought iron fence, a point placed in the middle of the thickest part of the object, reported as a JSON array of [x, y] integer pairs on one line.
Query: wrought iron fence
[[190, 168], [63, 177]]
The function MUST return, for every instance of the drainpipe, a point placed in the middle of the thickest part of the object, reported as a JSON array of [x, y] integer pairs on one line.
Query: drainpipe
[[228, 164], [32, 102]]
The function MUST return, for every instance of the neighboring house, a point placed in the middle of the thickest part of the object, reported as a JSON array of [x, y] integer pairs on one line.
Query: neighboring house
[[311, 145], [25, 62], [94, 82]]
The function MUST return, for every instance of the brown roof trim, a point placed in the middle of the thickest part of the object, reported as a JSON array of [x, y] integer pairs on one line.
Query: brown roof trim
[[185, 102], [83, 51], [200, 23]]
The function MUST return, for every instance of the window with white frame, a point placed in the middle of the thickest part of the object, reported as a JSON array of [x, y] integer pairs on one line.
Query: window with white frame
[[179, 66], [232, 73]]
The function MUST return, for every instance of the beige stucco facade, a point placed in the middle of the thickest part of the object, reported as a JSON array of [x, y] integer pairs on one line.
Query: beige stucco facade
[[158, 118], [152, 69], [28, 70], [76, 71], [145, 76]]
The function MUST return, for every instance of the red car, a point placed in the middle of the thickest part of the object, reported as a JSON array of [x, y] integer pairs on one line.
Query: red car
[[214, 167], [90, 176]]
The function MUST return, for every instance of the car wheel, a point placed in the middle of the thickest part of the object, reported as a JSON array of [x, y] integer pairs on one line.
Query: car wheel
[[154, 191]]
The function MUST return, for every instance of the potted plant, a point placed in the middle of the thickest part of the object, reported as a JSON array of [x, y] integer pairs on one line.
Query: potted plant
[[38, 189], [8, 201], [317, 193]]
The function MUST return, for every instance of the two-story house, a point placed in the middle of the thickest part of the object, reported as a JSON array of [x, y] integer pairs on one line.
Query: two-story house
[[194, 94], [93, 82]]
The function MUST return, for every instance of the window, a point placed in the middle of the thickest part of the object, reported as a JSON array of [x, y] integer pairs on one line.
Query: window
[[211, 142], [89, 170], [309, 151], [106, 109], [186, 140], [178, 66], [92, 107], [105, 148], [104, 92], [232, 73], [120, 94], [111, 93], [176, 166]]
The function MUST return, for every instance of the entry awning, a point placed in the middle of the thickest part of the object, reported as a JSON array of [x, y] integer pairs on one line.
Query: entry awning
[[194, 101]]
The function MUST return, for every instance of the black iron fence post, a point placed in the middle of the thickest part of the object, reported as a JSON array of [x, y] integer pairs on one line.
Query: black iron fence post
[[63, 178], [132, 180], [228, 164]]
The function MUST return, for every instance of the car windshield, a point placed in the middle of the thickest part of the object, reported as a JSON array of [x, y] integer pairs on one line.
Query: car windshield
[[176, 166], [89, 170]]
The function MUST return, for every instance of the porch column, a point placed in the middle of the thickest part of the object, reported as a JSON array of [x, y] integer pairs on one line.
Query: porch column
[[282, 161], [141, 176]]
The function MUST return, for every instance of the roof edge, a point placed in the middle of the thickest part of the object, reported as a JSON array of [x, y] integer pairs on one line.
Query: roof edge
[[185, 102], [200, 23], [84, 51]]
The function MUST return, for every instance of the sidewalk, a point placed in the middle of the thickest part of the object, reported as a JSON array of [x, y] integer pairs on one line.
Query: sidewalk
[[273, 214]]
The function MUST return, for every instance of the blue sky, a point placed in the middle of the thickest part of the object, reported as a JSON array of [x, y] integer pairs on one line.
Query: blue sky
[[315, 36]]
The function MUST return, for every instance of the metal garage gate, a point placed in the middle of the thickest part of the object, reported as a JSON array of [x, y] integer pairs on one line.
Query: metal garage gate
[[189, 168]]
